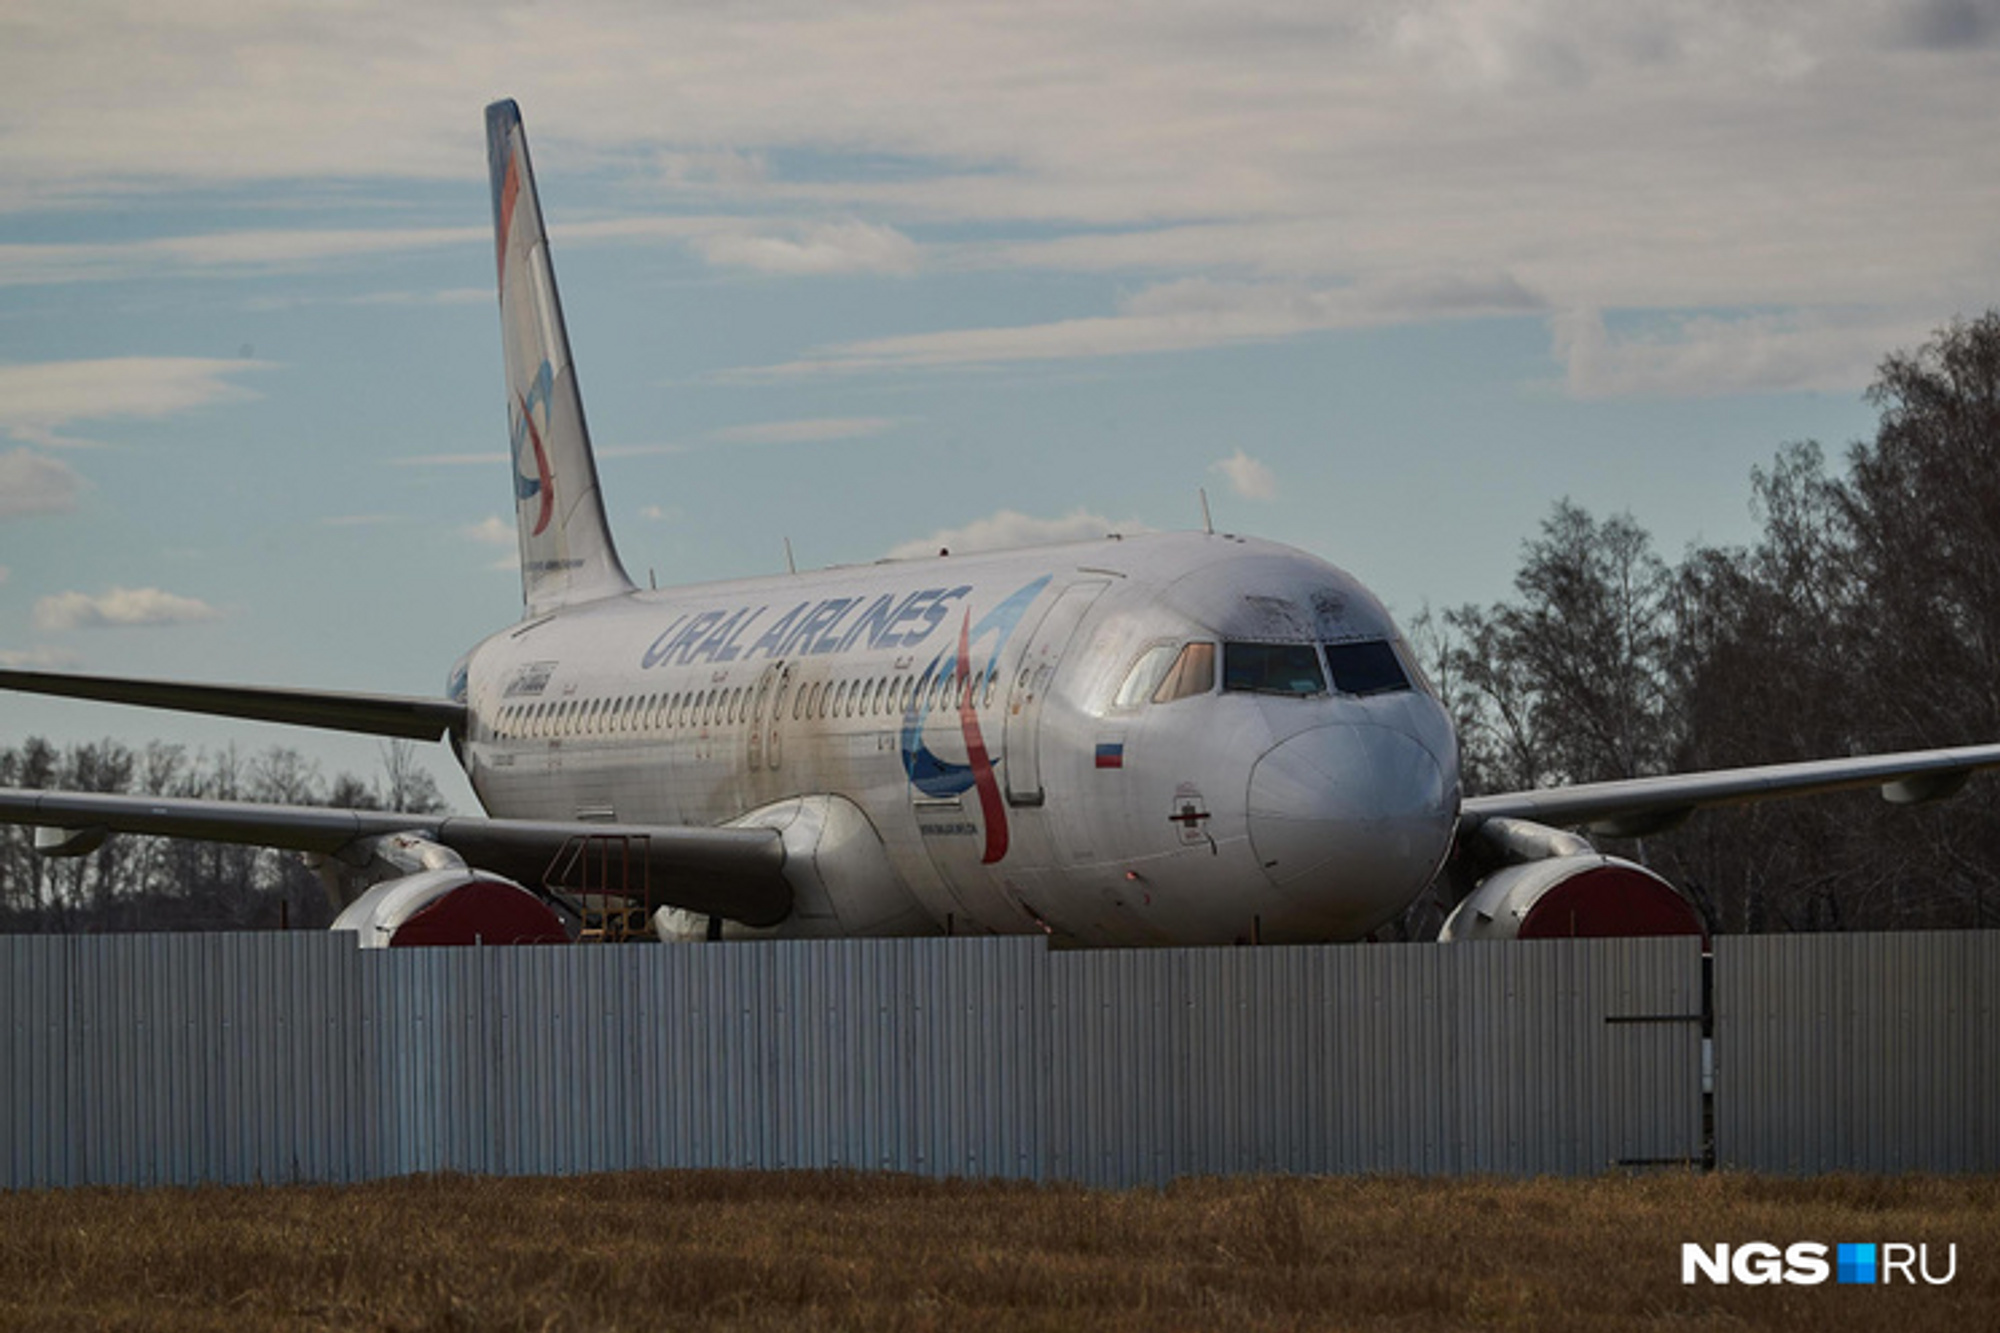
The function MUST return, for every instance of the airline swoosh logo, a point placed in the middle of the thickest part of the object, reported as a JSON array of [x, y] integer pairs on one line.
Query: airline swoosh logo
[[543, 482], [940, 778], [975, 750]]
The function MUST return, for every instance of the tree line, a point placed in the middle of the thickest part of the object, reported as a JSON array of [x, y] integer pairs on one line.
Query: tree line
[[140, 883], [1865, 618]]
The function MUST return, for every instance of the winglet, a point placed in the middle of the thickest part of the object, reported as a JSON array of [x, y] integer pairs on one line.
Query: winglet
[[567, 554]]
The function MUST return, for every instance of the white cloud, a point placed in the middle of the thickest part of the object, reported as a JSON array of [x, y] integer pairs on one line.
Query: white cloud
[[804, 432], [1706, 357], [1697, 156], [1247, 477], [452, 296], [263, 251], [1008, 529], [492, 458], [492, 531], [638, 450], [839, 247], [39, 658], [119, 608], [1177, 316], [32, 483], [39, 400]]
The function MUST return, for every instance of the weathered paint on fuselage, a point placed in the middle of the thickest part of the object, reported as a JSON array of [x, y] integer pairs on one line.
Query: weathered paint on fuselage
[[1042, 804]]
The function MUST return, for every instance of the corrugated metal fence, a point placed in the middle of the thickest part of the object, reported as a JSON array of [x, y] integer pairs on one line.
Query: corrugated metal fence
[[1858, 1052], [228, 1058]]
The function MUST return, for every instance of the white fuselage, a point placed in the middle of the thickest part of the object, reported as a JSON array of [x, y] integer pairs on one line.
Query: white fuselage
[[969, 708]]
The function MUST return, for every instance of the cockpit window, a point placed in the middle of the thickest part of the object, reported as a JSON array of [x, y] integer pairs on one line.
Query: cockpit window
[[1144, 676], [1192, 673], [1369, 667], [1272, 668]]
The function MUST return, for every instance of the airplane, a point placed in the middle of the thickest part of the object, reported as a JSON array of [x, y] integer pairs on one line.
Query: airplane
[[1179, 738]]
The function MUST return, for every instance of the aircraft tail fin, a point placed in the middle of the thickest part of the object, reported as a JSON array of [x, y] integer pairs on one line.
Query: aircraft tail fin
[[567, 554]]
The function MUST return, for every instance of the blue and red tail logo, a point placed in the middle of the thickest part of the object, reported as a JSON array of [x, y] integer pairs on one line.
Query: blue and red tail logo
[[941, 778], [532, 475]]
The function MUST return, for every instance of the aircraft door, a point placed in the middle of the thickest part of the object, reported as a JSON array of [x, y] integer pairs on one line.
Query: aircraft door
[[1021, 732], [765, 702], [774, 725]]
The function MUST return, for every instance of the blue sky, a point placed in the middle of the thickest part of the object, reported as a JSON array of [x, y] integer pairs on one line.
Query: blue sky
[[1386, 280]]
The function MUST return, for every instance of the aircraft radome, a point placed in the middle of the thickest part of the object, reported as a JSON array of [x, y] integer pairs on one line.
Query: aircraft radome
[[1174, 738]]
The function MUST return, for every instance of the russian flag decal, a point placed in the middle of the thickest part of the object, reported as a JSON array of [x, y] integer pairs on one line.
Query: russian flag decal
[[1111, 754]]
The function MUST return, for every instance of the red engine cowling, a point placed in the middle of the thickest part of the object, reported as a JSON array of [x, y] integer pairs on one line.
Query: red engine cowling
[[1566, 897], [450, 906]]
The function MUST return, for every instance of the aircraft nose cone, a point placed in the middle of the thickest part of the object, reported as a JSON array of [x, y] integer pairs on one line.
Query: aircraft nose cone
[[1356, 816]]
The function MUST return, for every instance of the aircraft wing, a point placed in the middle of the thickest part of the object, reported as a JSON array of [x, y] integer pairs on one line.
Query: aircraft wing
[[737, 872], [1637, 806], [412, 717]]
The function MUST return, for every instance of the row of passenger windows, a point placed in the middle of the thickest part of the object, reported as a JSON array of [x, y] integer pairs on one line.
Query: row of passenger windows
[[1170, 671], [880, 697]]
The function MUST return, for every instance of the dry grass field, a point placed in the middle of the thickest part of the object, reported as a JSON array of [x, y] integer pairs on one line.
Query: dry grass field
[[722, 1250]]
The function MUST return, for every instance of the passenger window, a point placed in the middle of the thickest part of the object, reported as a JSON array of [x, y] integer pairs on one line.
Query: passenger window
[[1366, 668], [1192, 673], [1144, 677], [1273, 668]]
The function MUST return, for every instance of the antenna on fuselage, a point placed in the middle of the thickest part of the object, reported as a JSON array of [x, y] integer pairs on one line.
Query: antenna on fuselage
[[791, 565], [1207, 523]]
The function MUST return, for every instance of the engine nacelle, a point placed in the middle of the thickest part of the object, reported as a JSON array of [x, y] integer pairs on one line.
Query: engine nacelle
[[454, 905], [1579, 895], [843, 882]]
